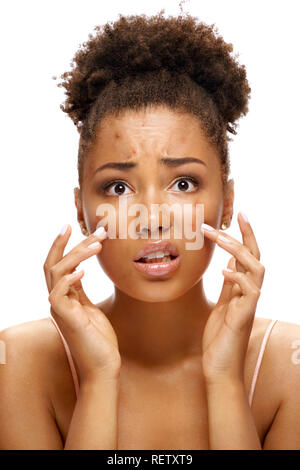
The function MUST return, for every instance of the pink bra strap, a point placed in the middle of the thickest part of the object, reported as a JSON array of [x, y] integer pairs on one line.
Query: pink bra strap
[[254, 379], [259, 360], [70, 359]]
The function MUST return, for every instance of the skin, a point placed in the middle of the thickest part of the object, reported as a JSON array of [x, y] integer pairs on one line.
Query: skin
[[154, 346], [145, 138]]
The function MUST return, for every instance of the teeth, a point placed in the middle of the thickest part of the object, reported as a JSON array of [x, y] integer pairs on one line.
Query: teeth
[[165, 259], [157, 254]]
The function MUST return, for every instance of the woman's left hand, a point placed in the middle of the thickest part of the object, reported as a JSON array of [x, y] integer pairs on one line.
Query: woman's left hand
[[227, 331]]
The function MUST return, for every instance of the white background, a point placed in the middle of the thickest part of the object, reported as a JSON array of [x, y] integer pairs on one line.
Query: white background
[[39, 143]]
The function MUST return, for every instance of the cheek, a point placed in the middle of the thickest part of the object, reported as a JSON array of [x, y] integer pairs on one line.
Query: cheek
[[199, 211], [114, 218], [195, 262], [112, 257], [117, 265], [193, 217]]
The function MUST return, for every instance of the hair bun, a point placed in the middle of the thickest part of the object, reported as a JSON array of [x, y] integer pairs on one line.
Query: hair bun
[[137, 44]]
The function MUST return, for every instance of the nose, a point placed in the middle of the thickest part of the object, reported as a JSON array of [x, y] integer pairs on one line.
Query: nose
[[156, 224], [157, 218], [154, 229]]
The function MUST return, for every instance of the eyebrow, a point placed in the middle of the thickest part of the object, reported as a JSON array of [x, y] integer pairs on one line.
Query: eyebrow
[[167, 162]]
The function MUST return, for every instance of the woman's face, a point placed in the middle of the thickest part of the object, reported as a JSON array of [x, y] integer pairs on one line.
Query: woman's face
[[144, 138]]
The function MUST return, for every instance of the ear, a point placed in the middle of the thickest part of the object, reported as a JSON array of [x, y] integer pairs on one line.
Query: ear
[[78, 204], [228, 201]]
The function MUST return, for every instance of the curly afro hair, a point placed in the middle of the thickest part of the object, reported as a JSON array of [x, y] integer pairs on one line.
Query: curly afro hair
[[139, 61]]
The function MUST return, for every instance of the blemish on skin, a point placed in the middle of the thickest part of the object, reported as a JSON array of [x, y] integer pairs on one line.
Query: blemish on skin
[[117, 135], [295, 358]]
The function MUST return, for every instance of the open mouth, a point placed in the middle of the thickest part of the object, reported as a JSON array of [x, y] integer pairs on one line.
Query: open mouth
[[164, 259], [154, 262]]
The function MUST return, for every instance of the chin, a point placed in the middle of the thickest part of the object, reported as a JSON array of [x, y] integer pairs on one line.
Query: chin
[[154, 291]]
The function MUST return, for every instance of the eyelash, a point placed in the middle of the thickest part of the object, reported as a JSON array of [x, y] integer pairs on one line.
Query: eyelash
[[107, 185]]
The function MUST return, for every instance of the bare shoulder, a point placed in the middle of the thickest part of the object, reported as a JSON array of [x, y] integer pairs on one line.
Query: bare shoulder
[[34, 350], [28, 337], [284, 351], [281, 360], [281, 336], [33, 379], [277, 394], [283, 341], [36, 340]]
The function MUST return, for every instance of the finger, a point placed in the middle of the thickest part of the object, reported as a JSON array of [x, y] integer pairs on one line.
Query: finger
[[250, 291], [247, 261], [82, 297], [56, 253], [99, 235], [232, 263], [227, 287], [71, 261], [249, 239], [62, 304], [236, 291]]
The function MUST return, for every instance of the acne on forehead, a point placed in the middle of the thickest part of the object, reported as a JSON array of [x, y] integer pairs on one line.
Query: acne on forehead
[[122, 129], [117, 136], [185, 130]]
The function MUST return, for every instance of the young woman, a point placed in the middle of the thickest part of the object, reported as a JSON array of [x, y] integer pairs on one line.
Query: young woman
[[156, 365]]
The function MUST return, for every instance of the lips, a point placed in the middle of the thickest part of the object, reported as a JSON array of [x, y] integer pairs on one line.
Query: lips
[[154, 247]]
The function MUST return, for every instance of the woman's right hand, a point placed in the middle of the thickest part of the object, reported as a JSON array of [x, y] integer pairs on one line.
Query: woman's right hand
[[88, 332]]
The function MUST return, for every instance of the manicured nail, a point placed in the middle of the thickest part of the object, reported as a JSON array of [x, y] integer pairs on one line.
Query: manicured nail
[[63, 229], [94, 245], [244, 216], [223, 239], [207, 227], [100, 232]]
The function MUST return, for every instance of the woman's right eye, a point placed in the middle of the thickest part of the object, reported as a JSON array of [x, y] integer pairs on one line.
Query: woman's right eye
[[118, 189]]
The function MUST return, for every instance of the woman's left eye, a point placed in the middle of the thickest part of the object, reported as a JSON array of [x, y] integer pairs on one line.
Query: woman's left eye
[[184, 186]]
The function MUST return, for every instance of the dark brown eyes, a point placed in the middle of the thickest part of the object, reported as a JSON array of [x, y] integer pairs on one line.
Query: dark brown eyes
[[118, 188]]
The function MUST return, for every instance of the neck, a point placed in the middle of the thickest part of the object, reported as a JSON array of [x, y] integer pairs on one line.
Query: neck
[[159, 333]]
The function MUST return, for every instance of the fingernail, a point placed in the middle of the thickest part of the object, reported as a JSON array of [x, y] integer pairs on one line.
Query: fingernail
[[208, 227], [93, 245], [244, 216], [228, 270], [63, 229], [100, 232]]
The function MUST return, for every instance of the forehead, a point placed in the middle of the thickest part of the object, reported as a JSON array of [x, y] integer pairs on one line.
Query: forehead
[[152, 132]]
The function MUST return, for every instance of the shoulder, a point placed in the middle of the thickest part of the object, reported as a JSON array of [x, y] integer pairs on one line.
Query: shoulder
[[281, 359], [33, 354], [284, 352], [37, 339], [283, 341], [280, 384], [31, 377], [281, 336]]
